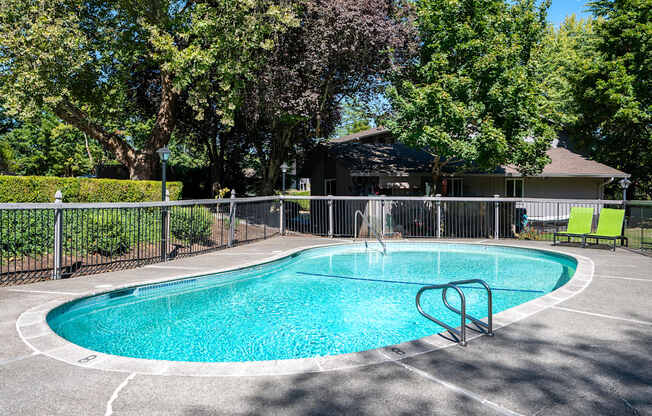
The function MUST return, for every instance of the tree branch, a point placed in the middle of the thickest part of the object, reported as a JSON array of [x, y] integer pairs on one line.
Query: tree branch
[[72, 115]]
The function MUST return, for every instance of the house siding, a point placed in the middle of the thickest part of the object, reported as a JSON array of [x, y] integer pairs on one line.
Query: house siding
[[562, 188], [483, 186]]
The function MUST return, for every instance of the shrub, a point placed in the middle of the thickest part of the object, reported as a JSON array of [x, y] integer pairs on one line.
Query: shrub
[[43, 188], [191, 223], [108, 234], [303, 203], [26, 232], [104, 232]]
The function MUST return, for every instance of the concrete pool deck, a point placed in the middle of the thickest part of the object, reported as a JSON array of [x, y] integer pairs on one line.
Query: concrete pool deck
[[589, 354]]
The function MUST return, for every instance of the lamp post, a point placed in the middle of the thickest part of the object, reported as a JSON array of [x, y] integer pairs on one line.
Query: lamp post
[[164, 154], [624, 183], [284, 169]]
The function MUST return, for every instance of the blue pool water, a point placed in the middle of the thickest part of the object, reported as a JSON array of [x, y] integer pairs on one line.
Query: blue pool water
[[322, 301]]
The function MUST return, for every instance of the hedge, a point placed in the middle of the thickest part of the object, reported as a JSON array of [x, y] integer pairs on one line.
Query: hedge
[[43, 188]]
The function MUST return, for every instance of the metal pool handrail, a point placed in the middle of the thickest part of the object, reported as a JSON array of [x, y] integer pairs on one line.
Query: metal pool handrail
[[373, 230], [459, 335], [478, 323]]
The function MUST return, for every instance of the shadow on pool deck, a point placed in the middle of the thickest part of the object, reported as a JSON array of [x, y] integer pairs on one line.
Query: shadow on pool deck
[[579, 374], [564, 360]]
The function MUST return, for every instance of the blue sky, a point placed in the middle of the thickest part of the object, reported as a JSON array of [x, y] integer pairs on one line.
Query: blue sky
[[561, 8]]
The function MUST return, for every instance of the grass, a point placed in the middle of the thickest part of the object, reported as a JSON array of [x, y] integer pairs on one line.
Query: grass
[[304, 203]]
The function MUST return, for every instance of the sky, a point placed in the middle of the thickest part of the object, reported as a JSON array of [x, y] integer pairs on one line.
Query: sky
[[561, 8]]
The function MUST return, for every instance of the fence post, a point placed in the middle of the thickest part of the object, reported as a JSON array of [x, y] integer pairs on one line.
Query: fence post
[[282, 213], [497, 218], [382, 217], [138, 237], [165, 229], [232, 219], [331, 230], [58, 235], [167, 221], [438, 196]]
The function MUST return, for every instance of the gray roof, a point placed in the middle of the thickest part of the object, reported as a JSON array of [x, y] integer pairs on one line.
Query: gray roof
[[366, 134], [388, 159], [563, 163], [366, 158]]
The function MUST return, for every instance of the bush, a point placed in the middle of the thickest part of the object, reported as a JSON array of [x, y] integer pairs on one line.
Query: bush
[[26, 232], [303, 203], [105, 232], [108, 234], [191, 223], [43, 188]]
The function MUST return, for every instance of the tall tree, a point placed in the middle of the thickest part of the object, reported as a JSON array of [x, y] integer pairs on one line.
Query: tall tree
[[563, 49], [612, 86], [341, 48], [473, 95], [117, 70]]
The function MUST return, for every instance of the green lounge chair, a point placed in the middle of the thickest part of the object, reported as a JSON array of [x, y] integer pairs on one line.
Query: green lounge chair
[[579, 225], [610, 227]]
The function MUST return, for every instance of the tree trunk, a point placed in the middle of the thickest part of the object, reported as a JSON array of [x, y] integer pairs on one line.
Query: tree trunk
[[141, 164], [280, 146], [88, 151], [144, 166], [437, 175]]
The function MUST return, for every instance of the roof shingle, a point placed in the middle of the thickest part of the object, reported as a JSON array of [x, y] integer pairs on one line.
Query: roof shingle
[[363, 157]]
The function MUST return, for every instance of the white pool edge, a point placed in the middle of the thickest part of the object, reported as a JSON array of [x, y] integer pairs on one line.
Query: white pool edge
[[34, 330]]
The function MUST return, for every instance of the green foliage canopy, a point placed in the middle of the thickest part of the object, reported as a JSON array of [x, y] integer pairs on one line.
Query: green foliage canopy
[[118, 70], [474, 96], [46, 146], [612, 87]]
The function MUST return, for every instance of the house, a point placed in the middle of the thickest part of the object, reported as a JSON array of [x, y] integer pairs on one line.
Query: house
[[372, 163]]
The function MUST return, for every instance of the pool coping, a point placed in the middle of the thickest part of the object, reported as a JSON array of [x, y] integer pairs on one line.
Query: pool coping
[[34, 331]]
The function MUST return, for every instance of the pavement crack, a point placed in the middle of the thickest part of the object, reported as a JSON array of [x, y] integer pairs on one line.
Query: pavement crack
[[455, 388], [114, 396]]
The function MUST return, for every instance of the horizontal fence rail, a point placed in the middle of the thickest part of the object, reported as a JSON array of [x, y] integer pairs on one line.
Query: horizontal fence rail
[[53, 241], [60, 240]]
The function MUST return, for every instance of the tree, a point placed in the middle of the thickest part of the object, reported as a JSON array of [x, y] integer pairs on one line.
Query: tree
[[117, 70], [362, 114], [612, 86], [46, 146], [473, 97], [563, 50], [341, 48], [7, 162]]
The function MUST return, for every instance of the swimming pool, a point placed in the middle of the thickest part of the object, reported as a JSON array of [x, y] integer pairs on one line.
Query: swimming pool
[[318, 302]]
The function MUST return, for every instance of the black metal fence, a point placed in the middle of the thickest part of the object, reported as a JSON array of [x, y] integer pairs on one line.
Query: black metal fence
[[45, 241]]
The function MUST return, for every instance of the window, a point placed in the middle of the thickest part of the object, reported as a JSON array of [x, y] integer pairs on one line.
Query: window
[[514, 188], [455, 187], [329, 186]]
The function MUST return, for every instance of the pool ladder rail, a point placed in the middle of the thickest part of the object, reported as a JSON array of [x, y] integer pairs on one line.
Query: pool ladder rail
[[459, 335], [371, 227]]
